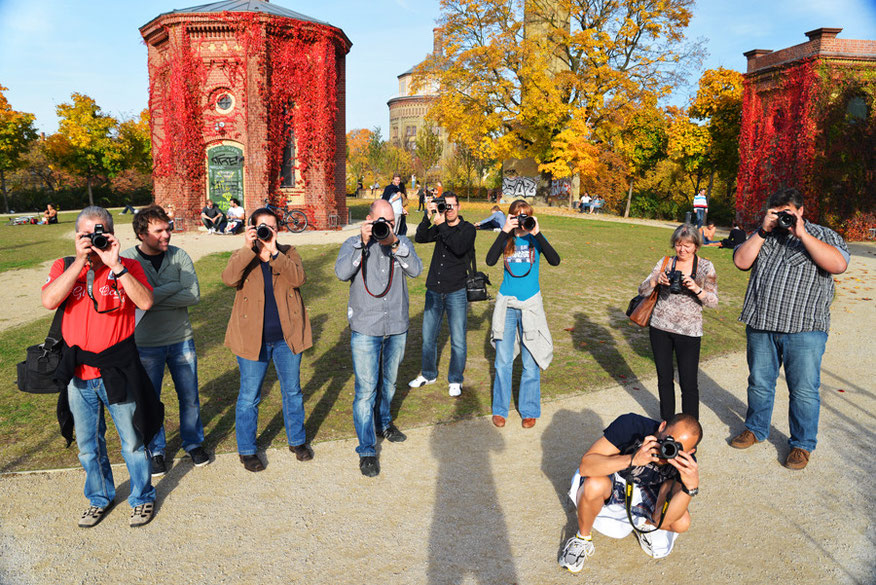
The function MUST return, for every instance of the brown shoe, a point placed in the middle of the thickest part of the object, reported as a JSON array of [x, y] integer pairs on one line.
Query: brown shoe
[[744, 440], [797, 458], [528, 423], [499, 421], [252, 463], [302, 452]]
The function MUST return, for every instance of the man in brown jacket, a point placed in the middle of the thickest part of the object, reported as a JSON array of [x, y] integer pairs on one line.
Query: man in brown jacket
[[268, 322]]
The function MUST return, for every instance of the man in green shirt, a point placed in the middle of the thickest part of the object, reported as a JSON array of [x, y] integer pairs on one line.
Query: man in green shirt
[[164, 333]]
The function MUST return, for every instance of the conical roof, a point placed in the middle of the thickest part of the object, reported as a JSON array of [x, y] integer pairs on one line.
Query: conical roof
[[246, 6]]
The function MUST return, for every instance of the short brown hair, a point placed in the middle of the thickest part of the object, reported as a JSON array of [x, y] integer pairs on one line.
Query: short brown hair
[[145, 216]]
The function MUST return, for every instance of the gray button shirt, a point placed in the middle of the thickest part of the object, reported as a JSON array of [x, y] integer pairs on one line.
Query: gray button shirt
[[369, 314]]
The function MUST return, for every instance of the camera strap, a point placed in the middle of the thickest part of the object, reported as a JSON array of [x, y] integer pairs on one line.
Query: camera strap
[[531, 262], [89, 287], [693, 272], [628, 501], [365, 254]]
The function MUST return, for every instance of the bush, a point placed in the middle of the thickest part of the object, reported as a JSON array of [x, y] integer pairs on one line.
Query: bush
[[648, 205], [26, 201]]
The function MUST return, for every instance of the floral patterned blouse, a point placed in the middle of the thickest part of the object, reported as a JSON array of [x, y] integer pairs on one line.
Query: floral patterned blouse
[[683, 313]]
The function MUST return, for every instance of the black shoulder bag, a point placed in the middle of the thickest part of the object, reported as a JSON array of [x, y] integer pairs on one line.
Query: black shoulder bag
[[36, 373], [476, 282]]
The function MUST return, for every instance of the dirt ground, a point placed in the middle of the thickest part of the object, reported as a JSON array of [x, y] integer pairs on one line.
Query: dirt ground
[[469, 503]]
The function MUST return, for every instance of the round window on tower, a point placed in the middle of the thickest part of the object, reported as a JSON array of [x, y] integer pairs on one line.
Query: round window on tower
[[224, 102]]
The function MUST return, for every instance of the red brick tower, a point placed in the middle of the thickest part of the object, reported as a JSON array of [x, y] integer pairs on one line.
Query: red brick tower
[[247, 100], [809, 122]]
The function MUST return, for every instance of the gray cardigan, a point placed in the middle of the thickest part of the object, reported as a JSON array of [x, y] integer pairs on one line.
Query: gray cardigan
[[174, 288]]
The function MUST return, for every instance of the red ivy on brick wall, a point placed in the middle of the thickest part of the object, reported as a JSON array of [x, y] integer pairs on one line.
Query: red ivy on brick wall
[[293, 64]]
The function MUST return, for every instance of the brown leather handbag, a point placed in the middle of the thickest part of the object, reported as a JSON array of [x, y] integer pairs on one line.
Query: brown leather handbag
[[640, 307]]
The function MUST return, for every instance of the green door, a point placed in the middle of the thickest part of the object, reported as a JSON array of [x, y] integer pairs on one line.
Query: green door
[[225, 174]]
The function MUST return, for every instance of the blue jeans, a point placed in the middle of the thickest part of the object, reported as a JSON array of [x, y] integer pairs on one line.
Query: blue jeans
[[375, 365], [529, 399], [701, 215], [456, 306], [801, 354], [182, 361], [87, 399], [252, 374]]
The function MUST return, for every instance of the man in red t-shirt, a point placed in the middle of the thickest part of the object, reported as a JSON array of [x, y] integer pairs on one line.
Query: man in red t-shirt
[[102, 292]]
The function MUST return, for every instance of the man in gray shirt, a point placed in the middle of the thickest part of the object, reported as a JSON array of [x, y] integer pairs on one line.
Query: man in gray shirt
[[376, 263], [164, 333]]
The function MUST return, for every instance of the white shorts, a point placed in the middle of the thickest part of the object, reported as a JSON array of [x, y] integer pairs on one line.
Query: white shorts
[[612, 520]]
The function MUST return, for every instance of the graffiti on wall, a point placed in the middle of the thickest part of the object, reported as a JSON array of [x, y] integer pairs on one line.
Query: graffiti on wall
[[561, 188], [225, 175], [513, 187]]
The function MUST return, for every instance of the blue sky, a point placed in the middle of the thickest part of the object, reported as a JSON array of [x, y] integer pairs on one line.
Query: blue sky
[[52, 48]]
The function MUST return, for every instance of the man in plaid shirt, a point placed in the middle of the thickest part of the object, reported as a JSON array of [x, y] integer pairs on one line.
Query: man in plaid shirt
[[787, 316]]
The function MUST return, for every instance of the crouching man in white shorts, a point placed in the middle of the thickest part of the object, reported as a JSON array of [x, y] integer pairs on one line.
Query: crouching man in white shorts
[[664, 475]]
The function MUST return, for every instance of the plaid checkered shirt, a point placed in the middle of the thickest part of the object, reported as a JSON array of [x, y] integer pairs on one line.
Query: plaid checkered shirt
[[787, 292]]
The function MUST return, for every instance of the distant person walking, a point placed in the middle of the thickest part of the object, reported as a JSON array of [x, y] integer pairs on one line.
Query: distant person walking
[[701, 207]]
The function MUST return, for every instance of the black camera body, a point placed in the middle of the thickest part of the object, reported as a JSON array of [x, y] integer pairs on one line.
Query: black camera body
[[675, 278], [264, 233], [98, 239], [380, 229], [527, 222], [668, 448], [440, 204], [785, 220]]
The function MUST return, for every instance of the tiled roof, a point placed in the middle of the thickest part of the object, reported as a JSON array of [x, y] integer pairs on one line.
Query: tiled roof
[[246, 6]]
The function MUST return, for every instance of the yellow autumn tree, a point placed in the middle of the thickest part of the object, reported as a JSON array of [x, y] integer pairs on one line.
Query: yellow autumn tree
[[16, 135]]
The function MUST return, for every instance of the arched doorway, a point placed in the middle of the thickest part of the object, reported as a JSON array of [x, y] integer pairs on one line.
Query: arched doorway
[[225, 174]]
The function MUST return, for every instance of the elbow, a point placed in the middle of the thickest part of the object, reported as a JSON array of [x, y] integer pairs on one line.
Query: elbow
[[48, 304]]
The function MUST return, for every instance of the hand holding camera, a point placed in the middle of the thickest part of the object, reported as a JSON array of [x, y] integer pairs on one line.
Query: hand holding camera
[[102, 243], [437, 207]]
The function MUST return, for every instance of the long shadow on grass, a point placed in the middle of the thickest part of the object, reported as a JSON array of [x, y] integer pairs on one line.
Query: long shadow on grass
[[598, 341]]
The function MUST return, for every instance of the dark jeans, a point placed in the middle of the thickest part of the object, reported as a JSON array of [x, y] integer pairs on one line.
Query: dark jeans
[[218, 226], [489, 225], [687, 354]]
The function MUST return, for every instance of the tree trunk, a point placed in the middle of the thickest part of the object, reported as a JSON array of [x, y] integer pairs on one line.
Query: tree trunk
[[3, 189], [629, 200], [575, 190], [709, 194], [90, 195]]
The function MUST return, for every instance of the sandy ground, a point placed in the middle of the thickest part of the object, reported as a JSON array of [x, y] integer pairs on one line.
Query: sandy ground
[[469, 503]]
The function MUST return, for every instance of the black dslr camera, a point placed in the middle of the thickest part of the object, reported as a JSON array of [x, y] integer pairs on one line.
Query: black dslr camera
[[440, 204], [785, 220], [380, 229], [675, 278], [264, 233], [668, 448], [97, 237], [527, 222]]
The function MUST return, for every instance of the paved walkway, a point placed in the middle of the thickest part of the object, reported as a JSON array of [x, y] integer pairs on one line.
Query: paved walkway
[[469, 503]]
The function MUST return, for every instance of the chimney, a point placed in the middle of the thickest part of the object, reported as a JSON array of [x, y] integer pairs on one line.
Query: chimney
[[823, 33], [436, 42]]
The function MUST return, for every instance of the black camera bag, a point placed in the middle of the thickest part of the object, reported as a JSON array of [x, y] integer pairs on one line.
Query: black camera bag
[[476, 282], [36, 374]]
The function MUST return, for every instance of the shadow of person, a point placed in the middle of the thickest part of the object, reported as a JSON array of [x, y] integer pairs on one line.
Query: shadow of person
[[563, 442], [468, 539]]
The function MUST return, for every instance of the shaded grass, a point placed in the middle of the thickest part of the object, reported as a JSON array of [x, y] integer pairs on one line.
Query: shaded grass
[[594, 344]]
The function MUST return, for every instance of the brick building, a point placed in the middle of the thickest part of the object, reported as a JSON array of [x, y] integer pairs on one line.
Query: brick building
[[809, 122], [247, 100]]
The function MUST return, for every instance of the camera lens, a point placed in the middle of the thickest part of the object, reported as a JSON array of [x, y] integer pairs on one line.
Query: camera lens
[[668, 449], [263, 232], [528, 223], [380, 230], [675, 282], [786, 220], [441, 206], [99, 241]]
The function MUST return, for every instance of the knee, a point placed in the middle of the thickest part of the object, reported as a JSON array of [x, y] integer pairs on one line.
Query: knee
[[682, 524], [594, 489]]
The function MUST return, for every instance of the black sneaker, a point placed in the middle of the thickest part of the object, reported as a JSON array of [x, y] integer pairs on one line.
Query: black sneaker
[[392, 434], [199, 457], [369, 466], [158, 466]]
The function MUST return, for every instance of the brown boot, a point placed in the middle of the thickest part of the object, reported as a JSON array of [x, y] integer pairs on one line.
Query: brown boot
[[797, 458], [499, 421], [744, 440], [528, 423]]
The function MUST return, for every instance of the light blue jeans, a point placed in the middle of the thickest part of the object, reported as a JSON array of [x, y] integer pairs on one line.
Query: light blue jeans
[[801, 354], [252, 374], [455, 304], [87, 399], [375, 365], [529, 399], [182, 361]]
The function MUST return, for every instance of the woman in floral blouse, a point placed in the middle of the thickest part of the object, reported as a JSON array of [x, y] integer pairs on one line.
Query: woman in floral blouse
[[677, 321]]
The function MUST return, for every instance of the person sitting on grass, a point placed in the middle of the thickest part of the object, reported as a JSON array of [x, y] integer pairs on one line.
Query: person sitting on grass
[[708, 232], [737, 236], [494, 222], [50, 215], [630, 450]]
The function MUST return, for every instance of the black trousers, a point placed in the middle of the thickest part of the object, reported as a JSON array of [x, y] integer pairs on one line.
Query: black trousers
[[687, 354]]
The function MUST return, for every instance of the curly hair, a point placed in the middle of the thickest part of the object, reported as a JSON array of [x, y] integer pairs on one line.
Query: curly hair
[[147, 215]]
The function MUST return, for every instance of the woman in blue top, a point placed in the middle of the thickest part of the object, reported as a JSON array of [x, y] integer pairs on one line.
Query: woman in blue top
[[519, 322]]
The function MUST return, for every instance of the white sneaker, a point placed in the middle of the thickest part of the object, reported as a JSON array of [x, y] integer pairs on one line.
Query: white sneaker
[[420, 381], [575, 553], [455, 389], [497, 229], [211, 231]]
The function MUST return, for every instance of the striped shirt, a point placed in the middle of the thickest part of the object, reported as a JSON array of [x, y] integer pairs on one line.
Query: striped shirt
[[787, 292]]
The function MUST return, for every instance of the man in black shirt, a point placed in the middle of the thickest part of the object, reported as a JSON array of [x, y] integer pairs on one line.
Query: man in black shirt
[[662, 488], [213, 218], [445, 289]]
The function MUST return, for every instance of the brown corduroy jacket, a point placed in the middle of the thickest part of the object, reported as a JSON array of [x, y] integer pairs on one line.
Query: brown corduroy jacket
[[244, 334]]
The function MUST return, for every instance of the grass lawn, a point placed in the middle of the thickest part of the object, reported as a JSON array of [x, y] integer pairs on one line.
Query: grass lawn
[[26, 246], [585, 298]]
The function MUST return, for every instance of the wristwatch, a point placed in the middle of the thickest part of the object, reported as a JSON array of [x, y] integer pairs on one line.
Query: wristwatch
[[762, 233], [692, 492], [395, 245], [121, 274]]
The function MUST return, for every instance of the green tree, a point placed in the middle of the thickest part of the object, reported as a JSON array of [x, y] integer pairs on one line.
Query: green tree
[[135, 140], [16, 135], [429, 148], [375, 154], [92, 145]]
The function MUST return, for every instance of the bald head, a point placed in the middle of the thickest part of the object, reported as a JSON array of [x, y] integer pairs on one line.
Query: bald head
[[684, 428], [381, 208]]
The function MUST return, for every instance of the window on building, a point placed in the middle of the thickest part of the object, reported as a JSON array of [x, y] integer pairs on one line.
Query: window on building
[[224, 102], [856, 109], [410, 131], [287, 171]]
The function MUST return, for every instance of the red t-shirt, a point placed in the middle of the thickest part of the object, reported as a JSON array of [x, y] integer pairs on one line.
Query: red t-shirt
[[85, 327]]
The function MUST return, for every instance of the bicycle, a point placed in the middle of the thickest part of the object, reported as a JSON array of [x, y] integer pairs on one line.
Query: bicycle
[[292, 219]]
